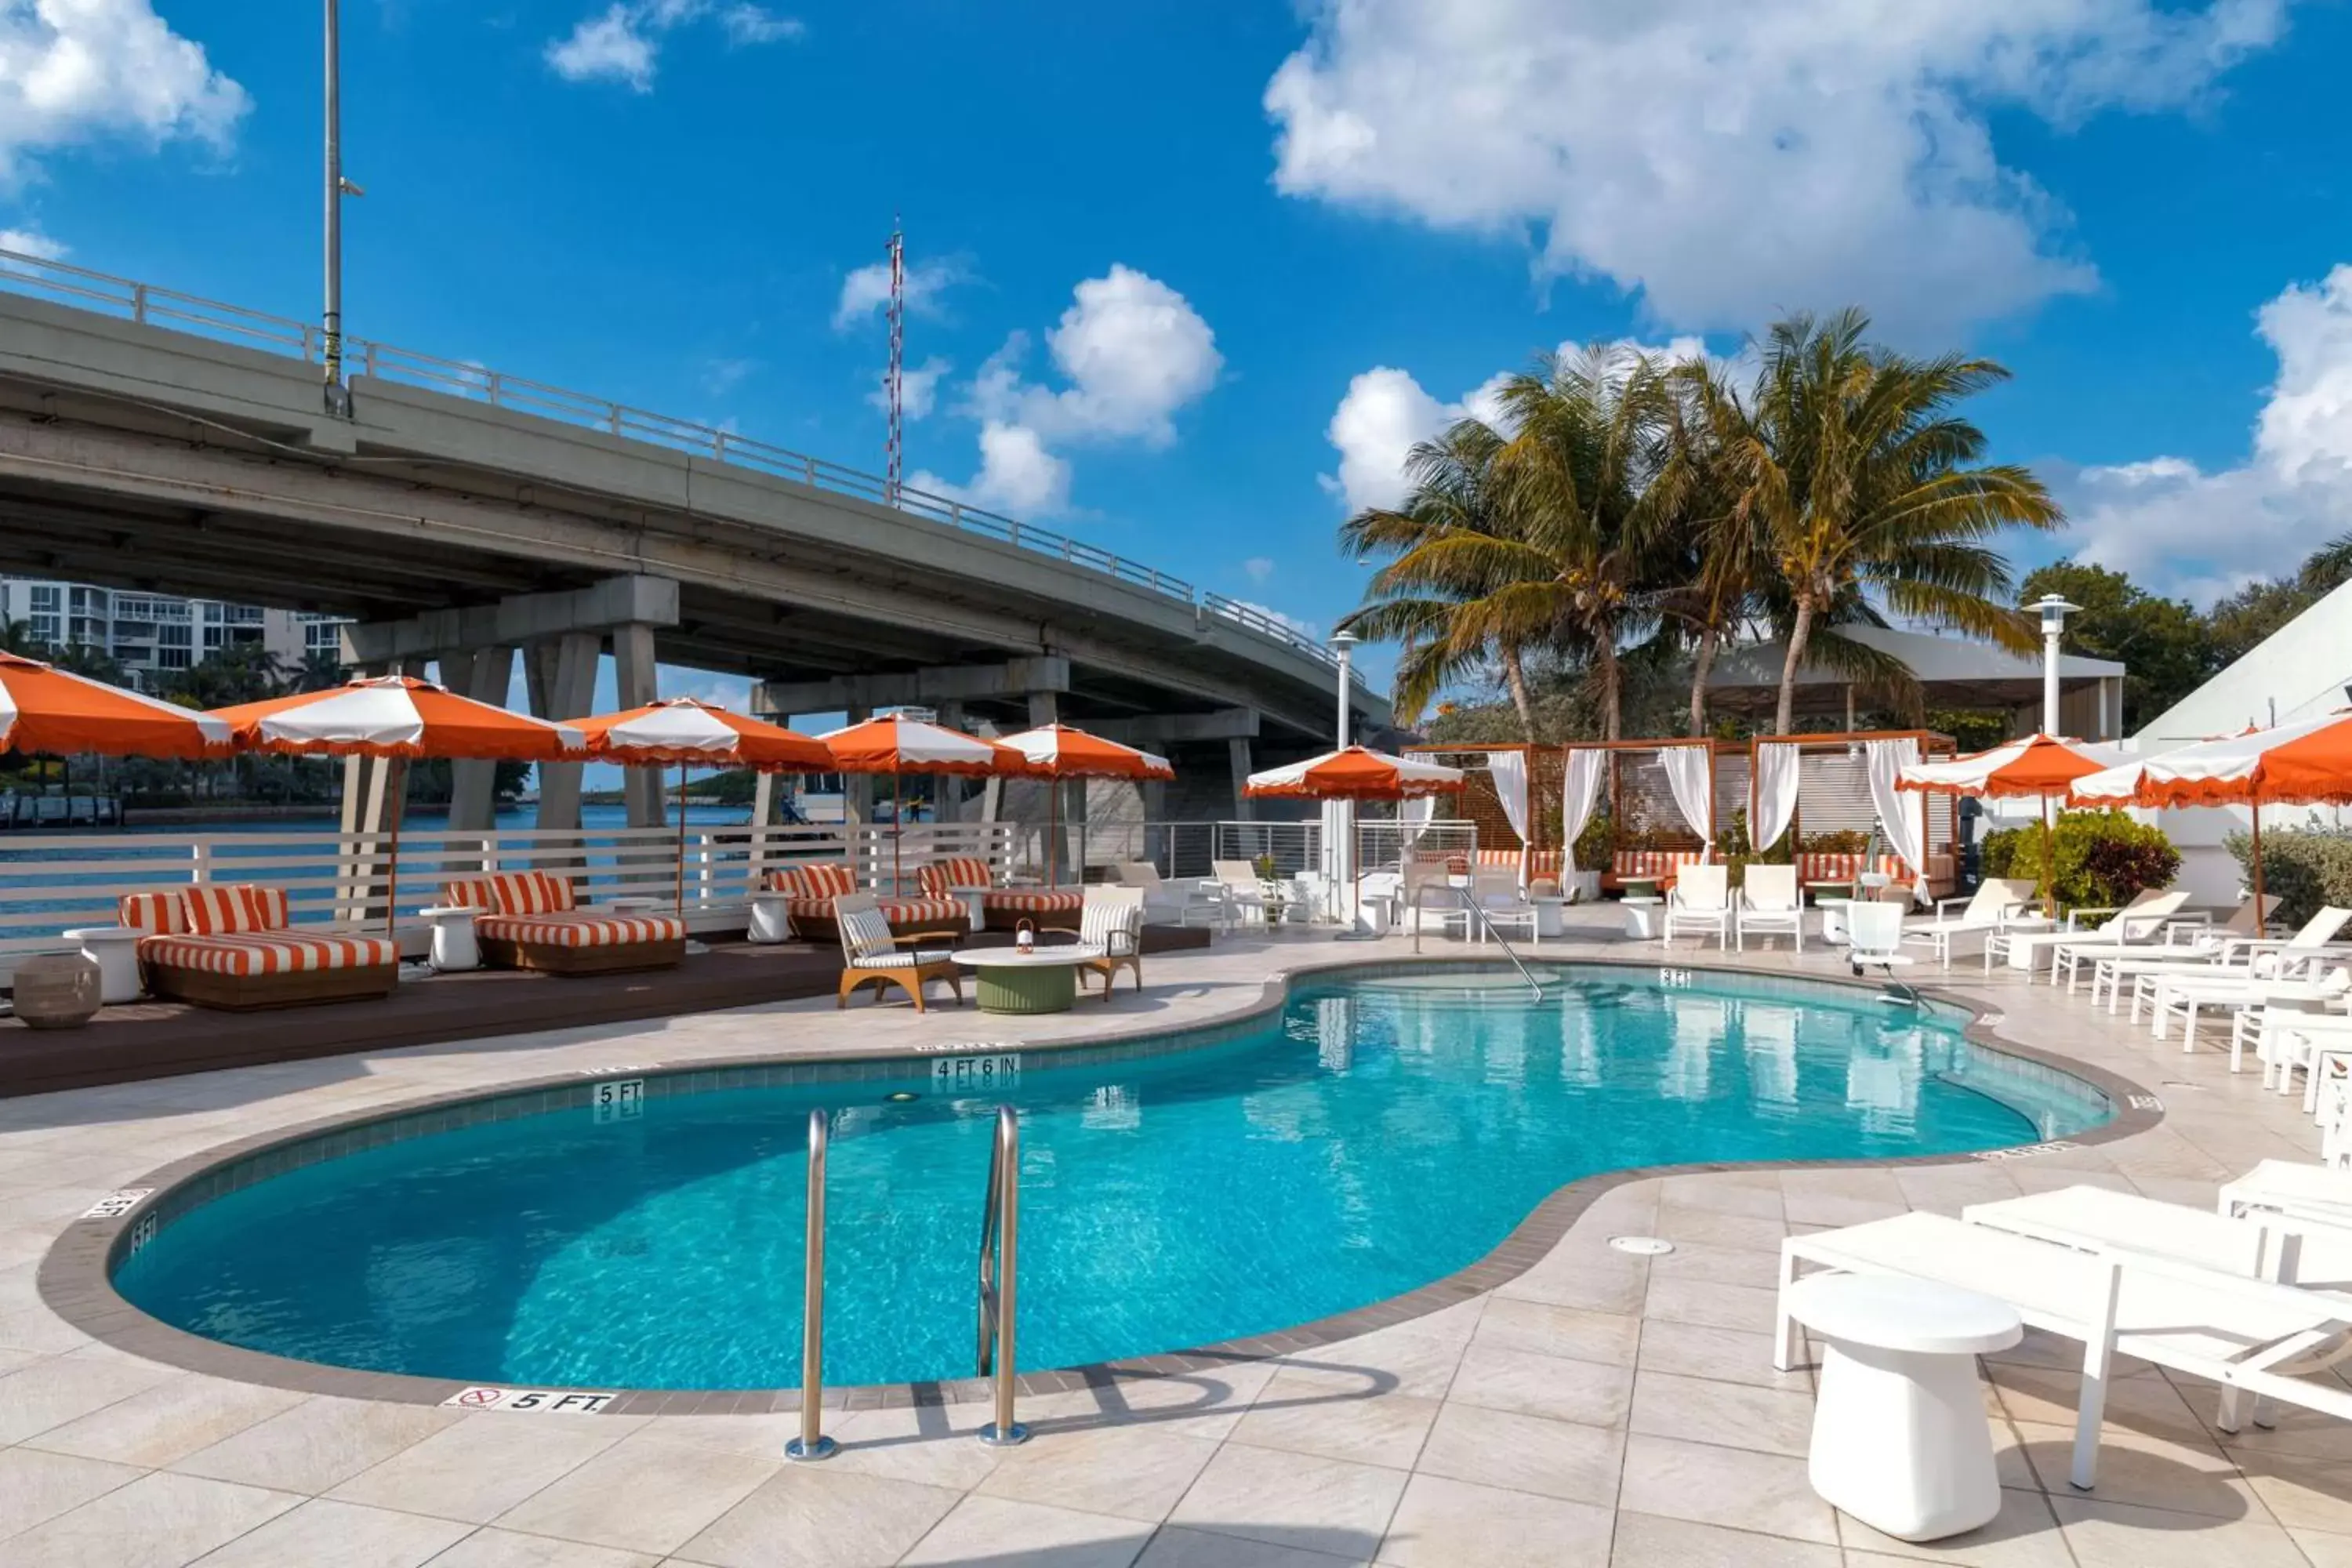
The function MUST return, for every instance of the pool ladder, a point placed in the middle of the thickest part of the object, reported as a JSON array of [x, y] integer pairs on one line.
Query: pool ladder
[[1478, 913], [999, 1254], [812, 1444]]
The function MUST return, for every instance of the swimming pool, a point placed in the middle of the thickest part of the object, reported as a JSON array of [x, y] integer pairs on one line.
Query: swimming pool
[[1374, 1135]]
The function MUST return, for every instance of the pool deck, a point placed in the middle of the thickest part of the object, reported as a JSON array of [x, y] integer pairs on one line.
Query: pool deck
[[1596, 1409]]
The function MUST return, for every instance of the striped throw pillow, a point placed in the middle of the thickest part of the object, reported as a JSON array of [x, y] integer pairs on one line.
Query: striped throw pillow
[[220, 909], [156, 912]]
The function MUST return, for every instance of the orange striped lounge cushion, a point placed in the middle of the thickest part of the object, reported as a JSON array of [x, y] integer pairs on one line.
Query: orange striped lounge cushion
[[512, 893], [577, 928], [245, 954], [940, 877], [1035, 900], [826, 880], [223, 908], [155, 912]]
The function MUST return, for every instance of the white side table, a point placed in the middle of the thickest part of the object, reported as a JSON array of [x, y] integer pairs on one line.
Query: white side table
[[454, 946], [771, 920], [115, 951], [1549, 922], [1833, 920], [1900, 1439], [1641, 917], [975, 905]]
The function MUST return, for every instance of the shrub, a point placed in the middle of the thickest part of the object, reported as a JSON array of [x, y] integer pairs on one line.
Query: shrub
[[2102, 857], [1595, 843], [2303, 867], [1843, 841]]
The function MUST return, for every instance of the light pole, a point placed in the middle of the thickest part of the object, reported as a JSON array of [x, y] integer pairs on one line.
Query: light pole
[[1339, 819], [1344, 645], [330, 319], [2054, 611]]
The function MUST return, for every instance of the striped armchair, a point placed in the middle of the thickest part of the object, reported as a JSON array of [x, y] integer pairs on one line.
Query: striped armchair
[[233, 945], [532, 920]]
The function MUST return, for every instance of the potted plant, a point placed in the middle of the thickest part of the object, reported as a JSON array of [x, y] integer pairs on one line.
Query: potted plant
[[1272, 889]]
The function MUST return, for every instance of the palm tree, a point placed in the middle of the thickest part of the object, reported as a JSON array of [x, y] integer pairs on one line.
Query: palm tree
[[1719, 562], [321, 669], [1428, 597], [1867, 487], [16, 636]]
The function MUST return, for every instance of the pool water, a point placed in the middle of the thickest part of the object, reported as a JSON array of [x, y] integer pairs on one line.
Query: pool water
[[1377, 1136]]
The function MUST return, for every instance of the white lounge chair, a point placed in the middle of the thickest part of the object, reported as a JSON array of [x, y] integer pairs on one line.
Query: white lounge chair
[[1244, 889], [1502, 904], [2141, 920], [2314, 1253], [1699, 901], [2188, 940], [2208, 951], [1771, 901], [2287, 1037], [1994, 903], [1874, 935], [1178, 902], [2187, 995], [2289, 1187], [2247, 1335]]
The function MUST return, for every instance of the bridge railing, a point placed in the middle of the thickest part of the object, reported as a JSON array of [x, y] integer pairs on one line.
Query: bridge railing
[[43, 277]]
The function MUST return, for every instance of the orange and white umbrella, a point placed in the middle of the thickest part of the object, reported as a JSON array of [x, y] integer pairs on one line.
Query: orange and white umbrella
[[1057, 752], [45, 708], [1355, 773], [896, 744], [2304, 764], [396, 717], [683, 730], [2042, 767]]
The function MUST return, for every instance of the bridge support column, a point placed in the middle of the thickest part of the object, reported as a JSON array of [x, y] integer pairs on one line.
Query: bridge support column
[[634, 677], [857, 789], [1237, 753], [483, 674], [560, 673], [950, 786]]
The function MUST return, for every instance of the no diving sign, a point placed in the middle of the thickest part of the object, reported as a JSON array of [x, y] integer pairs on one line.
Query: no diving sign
[[530, 1400]]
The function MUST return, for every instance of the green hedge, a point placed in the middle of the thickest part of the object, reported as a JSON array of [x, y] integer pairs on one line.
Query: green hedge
[[2102, 857], [2303, 867]]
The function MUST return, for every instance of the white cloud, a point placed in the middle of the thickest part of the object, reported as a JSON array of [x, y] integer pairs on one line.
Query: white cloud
[[1732, 158], [2182, 531], [1258, 568], [721, 377], [76, 70], [1132, 351], [918, 388], [622, 42], [32, 242], [866, 291], [1386, 412], [1306, 630]]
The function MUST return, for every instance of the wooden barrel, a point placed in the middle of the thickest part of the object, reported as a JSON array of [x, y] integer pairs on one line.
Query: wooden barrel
[[57, 991]]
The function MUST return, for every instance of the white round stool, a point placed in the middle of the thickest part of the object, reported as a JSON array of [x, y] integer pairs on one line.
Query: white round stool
[[453, 947], [1900, 1438], [115, 951], [771, 920]]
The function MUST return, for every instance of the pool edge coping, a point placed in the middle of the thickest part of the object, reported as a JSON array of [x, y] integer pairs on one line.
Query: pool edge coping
[[75, 1276]]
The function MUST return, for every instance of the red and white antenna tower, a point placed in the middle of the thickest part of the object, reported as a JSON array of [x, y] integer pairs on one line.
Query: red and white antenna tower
[[892, 380]]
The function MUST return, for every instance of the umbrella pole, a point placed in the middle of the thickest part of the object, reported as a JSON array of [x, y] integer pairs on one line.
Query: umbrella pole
[[398, 786], [897, 827], [1053, 832], [2257, 858], [2049, 866], [681, 837]]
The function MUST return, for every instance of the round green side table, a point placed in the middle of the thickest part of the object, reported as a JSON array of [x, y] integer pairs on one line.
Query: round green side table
[[1010, 981]]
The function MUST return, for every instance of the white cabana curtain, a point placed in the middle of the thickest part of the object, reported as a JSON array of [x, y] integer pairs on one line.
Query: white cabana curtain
[[1415, 816], [1510, 772], [1586, 767], [1777, 769], [1691, 778], [1901, 813]]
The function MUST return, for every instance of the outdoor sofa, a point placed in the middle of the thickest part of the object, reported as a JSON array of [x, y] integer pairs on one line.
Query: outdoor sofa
[[530, 920], [233, 945], [810, 891], [1004, 908]]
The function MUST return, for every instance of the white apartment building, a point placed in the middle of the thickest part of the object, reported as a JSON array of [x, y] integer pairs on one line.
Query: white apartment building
[[152, 634]]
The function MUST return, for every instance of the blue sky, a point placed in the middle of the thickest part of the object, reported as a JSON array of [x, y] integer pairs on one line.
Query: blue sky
[[1196, 274]]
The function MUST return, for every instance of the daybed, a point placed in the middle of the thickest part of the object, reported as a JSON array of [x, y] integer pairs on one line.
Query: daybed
[[231, 945], [809, 891], [1004, 908], [530, 920]]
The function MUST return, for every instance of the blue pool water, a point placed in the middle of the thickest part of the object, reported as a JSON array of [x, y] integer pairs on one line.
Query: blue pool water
[[1378, 1135]]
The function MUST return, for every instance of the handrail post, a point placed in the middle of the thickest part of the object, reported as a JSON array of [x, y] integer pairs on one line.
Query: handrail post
[[812, 1445], [1005, 1431]]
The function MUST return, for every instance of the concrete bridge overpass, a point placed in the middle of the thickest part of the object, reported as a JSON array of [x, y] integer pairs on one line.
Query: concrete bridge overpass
[[154, 440]]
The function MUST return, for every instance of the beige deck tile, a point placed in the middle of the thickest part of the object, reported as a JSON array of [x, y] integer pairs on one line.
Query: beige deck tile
[[1733, 1487], [2325, 1547], [1675, 1300], [928, 1446], [1136, 1471], [2024, 1534], [2301, 1493], [1391, 1362], [1645, 1541], [1201, 1404], [2143, 1402], [1596, 1281], [1698, 1260], [1737, 1416], [317, 1444], [983, 1530], [483, 1466], [343, 1533], [167, 1422], [2185, 1475], [815, 1516], [1525, 1453], [1292, 1500], [1823, 1208], [34, 1485], [1609, 1338], [1178, 1547], [1440, 1523], [1689, 1350], [1546, 1385], [492, 1547], [2112, 1535], [1727, 1194], [1302, 1414], [1707, 1227], [642, 1494], [49, 1392], [159, 1521]]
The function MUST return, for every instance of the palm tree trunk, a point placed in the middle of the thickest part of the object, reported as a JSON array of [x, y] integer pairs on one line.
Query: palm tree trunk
[[1612, 687], [1515, 677], [1800, 633], [1708, 641]]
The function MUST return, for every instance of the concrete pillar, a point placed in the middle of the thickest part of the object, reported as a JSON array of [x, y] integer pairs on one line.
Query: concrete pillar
[[1045, 707], [634, 677], [1155, 816], [949, 786], [1237, 753], [483, 674], [857, 789], [561, 673]]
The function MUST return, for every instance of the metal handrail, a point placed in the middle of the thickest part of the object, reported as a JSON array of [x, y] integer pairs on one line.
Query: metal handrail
[[143, 302], [1478, 913], [1000, 1248], [812, 1444]]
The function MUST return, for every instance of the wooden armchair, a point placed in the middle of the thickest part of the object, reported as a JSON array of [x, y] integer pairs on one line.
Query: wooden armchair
[[871, 955]]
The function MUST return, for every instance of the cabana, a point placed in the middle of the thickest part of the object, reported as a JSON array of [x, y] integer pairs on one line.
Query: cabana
[[1677, 802]]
